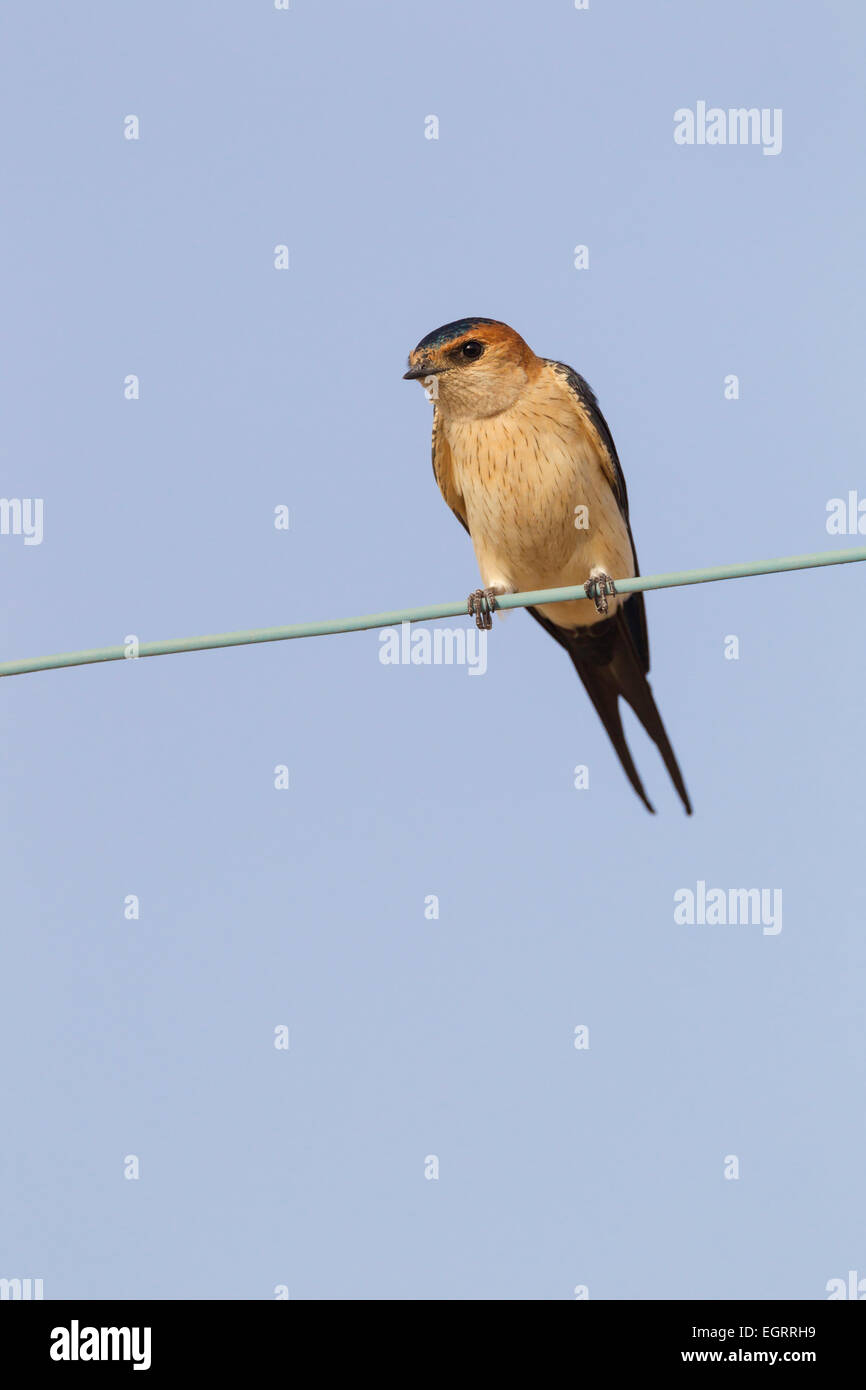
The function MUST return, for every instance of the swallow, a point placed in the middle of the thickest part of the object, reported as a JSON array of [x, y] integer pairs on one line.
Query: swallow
[[524, 458]]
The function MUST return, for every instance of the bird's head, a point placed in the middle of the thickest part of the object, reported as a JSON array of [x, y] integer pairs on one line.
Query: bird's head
[[479, 367]]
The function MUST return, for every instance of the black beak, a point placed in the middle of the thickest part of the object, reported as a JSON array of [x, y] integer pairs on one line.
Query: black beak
[[417, 373]]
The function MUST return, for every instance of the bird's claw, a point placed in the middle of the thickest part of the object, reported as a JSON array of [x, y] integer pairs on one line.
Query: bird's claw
[[598, 587], [480, 606]]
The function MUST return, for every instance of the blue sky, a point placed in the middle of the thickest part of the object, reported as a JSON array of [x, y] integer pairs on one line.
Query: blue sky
[[409, 1037]]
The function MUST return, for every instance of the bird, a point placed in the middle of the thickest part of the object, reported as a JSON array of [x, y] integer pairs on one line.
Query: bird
[[525, 460]]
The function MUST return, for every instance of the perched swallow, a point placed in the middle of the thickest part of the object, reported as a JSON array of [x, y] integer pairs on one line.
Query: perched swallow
[[525, 460]]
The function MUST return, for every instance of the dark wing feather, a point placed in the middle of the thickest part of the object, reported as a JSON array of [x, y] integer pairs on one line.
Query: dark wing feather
[[604, 657], [634, 608]]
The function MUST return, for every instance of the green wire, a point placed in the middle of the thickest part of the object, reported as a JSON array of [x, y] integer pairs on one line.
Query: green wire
[[454, 609]]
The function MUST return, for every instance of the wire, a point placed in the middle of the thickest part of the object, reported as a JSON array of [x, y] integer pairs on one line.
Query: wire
[[454, 609]]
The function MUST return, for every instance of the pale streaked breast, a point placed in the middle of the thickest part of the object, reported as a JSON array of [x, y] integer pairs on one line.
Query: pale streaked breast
[[522, 475]]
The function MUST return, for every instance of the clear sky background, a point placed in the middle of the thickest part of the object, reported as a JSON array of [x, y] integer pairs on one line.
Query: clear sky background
[[261, 907]]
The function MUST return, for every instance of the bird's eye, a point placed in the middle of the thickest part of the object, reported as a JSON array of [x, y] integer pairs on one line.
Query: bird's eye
[[471, 350]]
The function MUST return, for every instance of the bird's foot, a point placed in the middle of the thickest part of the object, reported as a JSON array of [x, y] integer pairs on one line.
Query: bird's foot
[[480, 606], [598, 587]]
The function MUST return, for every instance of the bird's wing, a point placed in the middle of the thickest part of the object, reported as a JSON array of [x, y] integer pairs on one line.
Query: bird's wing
[[634, 608], [443, 470]]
